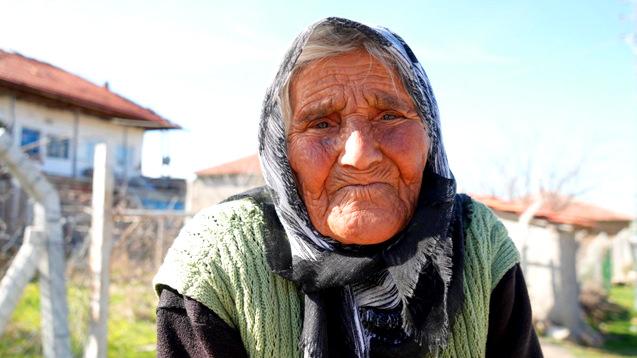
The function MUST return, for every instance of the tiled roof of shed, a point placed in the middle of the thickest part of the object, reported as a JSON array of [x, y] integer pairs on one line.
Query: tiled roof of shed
[[246, 165], [559, 210]]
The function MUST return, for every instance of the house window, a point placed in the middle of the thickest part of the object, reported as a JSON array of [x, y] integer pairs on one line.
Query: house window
[[30, 142], [57, 147], [124, 156]]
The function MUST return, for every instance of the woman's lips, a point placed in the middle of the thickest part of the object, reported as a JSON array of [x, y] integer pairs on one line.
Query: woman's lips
[[364, 186]]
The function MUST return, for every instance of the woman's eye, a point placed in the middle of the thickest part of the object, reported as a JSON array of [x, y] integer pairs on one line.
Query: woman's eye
[[321, 125], [389, 117]]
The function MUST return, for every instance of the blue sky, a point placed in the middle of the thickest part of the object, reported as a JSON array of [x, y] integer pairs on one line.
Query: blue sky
[[545, 85]]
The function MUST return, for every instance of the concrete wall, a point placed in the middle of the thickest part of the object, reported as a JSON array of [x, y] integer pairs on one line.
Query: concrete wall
[[623, 260], [66, 124], [541, 261], [559, 261], [591, 258], [207, 191]]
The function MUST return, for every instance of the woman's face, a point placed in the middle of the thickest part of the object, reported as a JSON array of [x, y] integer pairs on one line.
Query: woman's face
[[357, 147]]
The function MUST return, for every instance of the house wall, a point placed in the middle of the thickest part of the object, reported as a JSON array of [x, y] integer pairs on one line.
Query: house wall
[[5, 109], [541, 259], [559, 262], [90, 131], [591, 260], [623, 260], [206, 191]]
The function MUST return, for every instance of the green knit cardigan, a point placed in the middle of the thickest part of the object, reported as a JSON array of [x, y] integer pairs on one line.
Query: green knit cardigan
[[218, 259]]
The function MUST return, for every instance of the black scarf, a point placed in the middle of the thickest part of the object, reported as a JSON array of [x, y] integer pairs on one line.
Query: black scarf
[[430, 249]]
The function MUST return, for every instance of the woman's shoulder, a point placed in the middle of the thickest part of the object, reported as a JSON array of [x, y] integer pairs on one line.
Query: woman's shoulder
[[487, 237], [219, 260], [223, 224], [228, 217], [220, 238], [485, 224], [481, 215]]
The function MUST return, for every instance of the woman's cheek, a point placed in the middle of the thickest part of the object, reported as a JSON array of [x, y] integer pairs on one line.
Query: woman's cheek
[[406, 145], [311, 158]]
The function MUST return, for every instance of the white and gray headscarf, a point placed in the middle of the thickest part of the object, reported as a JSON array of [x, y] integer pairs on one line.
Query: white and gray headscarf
[[401, 286]]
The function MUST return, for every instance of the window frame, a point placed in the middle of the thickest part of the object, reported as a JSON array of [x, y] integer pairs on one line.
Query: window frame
[[58, 139], [36, 151]]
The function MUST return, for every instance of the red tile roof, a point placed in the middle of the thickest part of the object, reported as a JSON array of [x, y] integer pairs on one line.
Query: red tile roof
[[559, 210], [246, 165], [32, 76]]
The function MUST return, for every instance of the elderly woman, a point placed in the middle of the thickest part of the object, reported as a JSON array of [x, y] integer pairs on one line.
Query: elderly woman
[[359, 245]]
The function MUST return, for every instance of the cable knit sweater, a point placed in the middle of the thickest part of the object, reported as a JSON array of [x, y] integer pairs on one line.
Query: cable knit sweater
[[218, 259]]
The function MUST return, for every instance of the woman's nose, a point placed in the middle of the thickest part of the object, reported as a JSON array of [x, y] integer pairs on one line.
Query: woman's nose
[[360, 150]]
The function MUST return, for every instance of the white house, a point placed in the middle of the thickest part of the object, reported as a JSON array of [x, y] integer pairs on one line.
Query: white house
[[58, 117]]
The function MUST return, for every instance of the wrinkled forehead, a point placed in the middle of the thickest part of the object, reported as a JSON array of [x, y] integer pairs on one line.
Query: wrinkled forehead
[[357, 58], [335, 36], [350, 79], [356, 67]]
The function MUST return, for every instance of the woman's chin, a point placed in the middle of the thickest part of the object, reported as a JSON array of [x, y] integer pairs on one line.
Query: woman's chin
[[364, 228]]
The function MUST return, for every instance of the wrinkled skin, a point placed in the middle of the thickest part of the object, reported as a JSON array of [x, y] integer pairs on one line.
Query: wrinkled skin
[[357, 147]]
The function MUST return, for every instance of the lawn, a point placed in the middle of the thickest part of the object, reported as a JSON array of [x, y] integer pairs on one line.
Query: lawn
[[131, 323], [619, 330]]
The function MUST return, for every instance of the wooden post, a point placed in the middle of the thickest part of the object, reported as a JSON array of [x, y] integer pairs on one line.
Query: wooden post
[[100, 252]]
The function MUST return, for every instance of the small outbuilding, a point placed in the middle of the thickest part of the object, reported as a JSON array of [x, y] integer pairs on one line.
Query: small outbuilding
[[566, 247], [216, 183]]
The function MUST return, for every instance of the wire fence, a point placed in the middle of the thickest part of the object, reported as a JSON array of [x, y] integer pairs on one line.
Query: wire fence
[[139, 245], [140, 241], [15, 215]]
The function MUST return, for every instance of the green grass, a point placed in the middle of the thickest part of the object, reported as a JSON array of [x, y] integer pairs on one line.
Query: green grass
[[619, 330], [623, 296], [132, 329], [621, 341], [131, 322], [24, 327]]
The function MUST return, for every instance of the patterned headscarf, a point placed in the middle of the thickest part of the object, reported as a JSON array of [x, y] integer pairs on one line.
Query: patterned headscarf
[[368, 282]]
